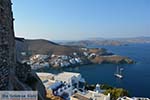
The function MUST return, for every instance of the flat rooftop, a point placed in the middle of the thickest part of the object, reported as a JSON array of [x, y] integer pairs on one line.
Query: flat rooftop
[[44, 76], [97, 96], [88, 95], [65, 76]]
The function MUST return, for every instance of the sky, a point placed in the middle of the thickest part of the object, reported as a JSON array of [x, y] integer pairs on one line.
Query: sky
[[81, 19]]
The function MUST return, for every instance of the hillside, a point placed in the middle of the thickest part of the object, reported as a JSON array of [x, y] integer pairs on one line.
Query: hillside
[[135, 40], [63, 55], [94, 43], [109, 42], [41, 46]]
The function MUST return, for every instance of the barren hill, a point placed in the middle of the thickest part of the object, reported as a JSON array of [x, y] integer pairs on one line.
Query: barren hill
[[41, 46]]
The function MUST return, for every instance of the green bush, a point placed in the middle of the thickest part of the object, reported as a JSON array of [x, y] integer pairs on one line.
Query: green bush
[[105, 87], [116, 93]]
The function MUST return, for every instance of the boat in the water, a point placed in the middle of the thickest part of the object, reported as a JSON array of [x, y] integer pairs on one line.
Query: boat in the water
[[118, 74]]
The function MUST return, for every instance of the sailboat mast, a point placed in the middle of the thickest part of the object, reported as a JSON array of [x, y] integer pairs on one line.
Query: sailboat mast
[[120, 71], [117, 69]]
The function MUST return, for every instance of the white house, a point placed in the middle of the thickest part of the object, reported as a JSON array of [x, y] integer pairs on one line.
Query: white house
[[66, 83], [73, 79], [90, 95], [133, 98], [70, 85]]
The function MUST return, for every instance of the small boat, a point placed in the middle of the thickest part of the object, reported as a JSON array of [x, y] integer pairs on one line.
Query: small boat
[[118, 74]]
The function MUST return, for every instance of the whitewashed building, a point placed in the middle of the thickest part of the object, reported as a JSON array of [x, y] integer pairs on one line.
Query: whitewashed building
[[90, 95], [70, 86], [133, 98], [73, 79]]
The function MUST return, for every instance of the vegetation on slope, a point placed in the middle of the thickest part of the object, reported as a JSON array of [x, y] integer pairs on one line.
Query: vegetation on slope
[[114, 92]]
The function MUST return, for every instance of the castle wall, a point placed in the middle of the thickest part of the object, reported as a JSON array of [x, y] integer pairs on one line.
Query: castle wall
[[7, 43]]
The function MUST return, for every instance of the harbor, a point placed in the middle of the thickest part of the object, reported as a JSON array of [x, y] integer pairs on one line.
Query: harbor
[[104, 73]]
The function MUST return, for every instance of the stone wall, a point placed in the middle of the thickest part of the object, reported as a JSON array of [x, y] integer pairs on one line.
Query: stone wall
[[7, 29], [7, 50], [14, 75]]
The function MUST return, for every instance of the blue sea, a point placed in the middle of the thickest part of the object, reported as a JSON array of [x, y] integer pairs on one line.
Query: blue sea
[[136, 76]]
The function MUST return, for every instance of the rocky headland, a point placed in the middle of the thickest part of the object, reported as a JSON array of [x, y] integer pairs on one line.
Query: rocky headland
[[43, 53]]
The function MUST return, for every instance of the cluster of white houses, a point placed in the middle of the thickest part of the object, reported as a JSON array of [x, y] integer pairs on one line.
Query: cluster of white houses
[[72, 59], [70, 86], [64, 60], [38, 61], [42, 61]]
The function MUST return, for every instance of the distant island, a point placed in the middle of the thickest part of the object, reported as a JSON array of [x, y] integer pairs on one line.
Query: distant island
[[43, 53], [108, 42]]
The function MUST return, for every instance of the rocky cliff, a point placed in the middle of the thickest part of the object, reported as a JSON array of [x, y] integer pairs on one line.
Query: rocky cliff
[[13, 75]]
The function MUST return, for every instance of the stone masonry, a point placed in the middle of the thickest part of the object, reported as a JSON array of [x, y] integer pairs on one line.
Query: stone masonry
[[14, 75], [7, 51]]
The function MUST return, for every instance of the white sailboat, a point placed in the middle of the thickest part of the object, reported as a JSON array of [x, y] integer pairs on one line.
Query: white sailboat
[[118, 74]]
